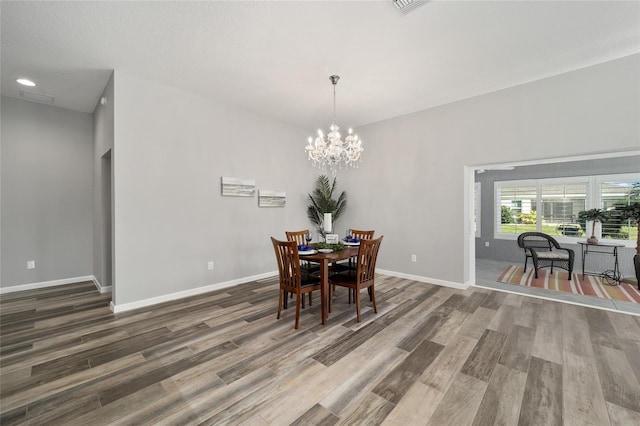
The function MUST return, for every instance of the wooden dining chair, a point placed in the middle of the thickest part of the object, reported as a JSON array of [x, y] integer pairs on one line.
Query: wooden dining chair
[[309, 268], [292, 280], [297, 236], [349, 265], [363, 235], [362, 277]]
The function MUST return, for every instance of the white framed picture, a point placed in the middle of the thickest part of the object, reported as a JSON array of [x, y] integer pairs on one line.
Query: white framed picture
[[268, 198], [332, 238], [236, 187]]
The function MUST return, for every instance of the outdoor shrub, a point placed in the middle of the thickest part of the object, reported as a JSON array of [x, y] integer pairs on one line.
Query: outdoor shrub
[[505, 215], [527, 218]]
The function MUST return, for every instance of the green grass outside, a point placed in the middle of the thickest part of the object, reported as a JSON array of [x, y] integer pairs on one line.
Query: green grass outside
[[519, 228]]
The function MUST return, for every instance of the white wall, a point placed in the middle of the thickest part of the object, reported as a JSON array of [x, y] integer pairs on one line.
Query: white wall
[[170, 150], [46, 193], [411, 185]]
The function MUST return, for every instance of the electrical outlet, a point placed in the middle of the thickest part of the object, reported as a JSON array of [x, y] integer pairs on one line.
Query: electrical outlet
[[486, 244], [31, 264], [413, 258], [210, 265]]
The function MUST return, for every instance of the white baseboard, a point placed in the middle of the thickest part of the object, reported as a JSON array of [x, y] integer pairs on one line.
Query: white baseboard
[[45, 284], [187, 293], [459, 286], [205, 289], [101, 289]]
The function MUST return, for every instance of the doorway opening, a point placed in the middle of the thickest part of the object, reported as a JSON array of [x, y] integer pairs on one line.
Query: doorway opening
[[107, 226]]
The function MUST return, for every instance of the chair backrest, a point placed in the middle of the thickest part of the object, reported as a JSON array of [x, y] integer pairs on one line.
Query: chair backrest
[[366, 259], [363, 235], [288, 262], [297, 236], [537, 240]]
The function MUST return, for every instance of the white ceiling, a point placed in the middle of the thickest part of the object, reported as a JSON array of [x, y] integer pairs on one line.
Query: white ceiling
[[274, 58]]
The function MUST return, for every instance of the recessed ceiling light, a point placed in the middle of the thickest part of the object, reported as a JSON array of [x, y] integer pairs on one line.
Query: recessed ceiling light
[[26, 82]]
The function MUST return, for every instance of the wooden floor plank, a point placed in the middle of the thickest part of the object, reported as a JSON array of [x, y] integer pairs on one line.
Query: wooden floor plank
[[502, 400], [485, 355], [582, 395], [618, 381], [517, 349], [542, 401], [431, 355], [460, 404], [400, 379], [416, 407]]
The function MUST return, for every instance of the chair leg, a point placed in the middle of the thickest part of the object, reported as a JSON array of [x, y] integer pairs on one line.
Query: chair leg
[[357, 290], [372, 291], [331, 287], [280, 303], [526, 259], [298, 309], [303, 301]]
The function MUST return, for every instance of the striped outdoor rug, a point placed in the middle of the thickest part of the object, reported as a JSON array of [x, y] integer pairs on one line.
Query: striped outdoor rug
[[589, 286]]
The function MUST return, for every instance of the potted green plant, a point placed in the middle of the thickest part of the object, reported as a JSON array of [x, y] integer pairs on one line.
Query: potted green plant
[[632, 212], [594, 215], [321, 201]]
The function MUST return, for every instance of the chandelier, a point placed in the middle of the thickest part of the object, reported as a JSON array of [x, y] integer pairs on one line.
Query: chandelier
[[331, 152]]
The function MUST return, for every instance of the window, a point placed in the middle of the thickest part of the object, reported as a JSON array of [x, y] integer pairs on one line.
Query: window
[[517, 206], [553, 206], [561, 203], [476, 208], [616, 194]]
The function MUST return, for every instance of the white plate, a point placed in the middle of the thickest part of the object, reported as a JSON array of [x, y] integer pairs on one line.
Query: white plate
[[302, 253], [350, 243], [325, 250]]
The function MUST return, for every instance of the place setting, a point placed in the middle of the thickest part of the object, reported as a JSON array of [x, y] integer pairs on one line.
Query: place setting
[[350, 240], [307, 249]]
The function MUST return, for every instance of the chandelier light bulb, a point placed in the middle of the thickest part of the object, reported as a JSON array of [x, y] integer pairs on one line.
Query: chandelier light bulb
[[332, 152]]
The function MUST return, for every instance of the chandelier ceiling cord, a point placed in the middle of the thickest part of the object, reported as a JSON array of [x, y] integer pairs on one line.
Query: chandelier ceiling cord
[[332, 152]]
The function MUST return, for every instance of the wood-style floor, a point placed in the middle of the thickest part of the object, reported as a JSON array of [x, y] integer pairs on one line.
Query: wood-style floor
[[432, 355]]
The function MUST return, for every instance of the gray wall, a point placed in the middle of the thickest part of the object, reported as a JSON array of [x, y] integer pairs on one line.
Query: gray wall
[[506, 250], [103, 143], [47, 177], [171, 149], [412, 186]]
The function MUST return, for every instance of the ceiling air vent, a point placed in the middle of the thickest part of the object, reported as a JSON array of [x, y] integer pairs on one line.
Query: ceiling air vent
[[406, 6], [37, 97]]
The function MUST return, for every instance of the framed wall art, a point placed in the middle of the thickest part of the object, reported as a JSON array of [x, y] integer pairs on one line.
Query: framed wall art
[[267, 198], [237, 187]]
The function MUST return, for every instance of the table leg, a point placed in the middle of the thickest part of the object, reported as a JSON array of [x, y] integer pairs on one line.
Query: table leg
[[616, 266], [584, 254], [324, 290]]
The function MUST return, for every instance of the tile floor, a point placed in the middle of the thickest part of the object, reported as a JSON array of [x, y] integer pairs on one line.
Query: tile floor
[[487, 272]]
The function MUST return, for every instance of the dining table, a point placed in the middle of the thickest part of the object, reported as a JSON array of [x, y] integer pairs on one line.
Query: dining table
[[324, 259]]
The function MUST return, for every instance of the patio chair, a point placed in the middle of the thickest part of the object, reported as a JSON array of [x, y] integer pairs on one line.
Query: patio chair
[[545, 252]]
